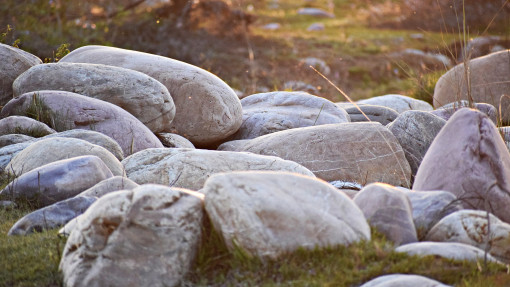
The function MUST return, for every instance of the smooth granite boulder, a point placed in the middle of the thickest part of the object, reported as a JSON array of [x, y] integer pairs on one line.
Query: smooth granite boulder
[[450, 250], [174, 140], [11, 139], [207, 109], [147, 236], [267, 214], [446, 112], [381, 114], [24, 125], [109, 185], [399, 103], [190, 168], [66, 111], [403, 280], [140, 95], [469, 159]]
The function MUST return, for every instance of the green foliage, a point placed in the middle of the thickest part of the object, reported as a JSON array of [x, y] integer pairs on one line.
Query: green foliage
[[424, 85]]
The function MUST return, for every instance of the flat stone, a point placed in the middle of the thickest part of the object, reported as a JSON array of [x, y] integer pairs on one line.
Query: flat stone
[[399, 103], [315, 12], [380, 114], [449, 250]]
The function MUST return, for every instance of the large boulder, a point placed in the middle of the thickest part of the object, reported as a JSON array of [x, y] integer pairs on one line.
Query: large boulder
[[57, 181], [403, 280], [489, 82], [355, 152], [142, 96], [365, 113], [174, 140], [389, 211], [207, 109], [267, 113], [446, 112], [270, 213], [477, 228], [14, 62], [65, 111], [190, 168], [147, 236], [52, 149], [449, 250], [109, 185], [11, 139], [24, 125], [399, 103], [470, 159]]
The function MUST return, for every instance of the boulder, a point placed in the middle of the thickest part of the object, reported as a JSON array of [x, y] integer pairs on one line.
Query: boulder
[[66, 111], [267, 214], [53, 149], [318, 64], [446, 112], [489, 81], [355, 152], [449, 250], [380, 114], [189, 168], [142, 96], [57, 181], [7, 153], [25, 126], [207, 109], [403, 280], [316, 27], [477, 228], [236, 145], [505, 134], [174, 140], [420, 60], [14, 63], [415, 131], [389, 211], [109, 185], [399, 103], [52, 216], [11, 139], [267, 113], [147, 236], [315, 12], [469, 159]]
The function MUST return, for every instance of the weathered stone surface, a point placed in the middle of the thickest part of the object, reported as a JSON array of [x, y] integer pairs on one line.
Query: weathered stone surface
[[24, 125], [470, 159], [477, 228], [174, 140], [381, 114], [189, 168], [147, 236], [14, 63], [450, 250], [429, 207], [267, 113], [11, 139], [207, 109], [446, 112], [109, 185], [415, 131], [52, 149], [355, 152], [403, 280], [505, 133], [8, 152], [388, 210], [489, 80], [399, 103], [52, 216], [236, 145], [65, 111], [58, 180], [142, 96], [270, 213]]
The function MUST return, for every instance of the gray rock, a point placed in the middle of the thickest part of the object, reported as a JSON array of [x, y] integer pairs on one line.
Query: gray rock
[[355, 152], [147, 236], [52, 149], [479, 46], [109, 185], [174, 141], [300, 86], [399, 103], [11, 139], [189, 168], [14, 63], [272, 26], [142, 96], [316, 27], [7, 204], [446, 112], [403, 280], [236, 145], [505, 133], [276, 111], [6, 155], [388, 210], [469, 159], [489, 80], [317, 63], [52, 216], [207, 109], [381, 114], [315, 12], [24, 125], [57, 181], [66, 111], [415, 131], [422, 60], [449, 250], [270, 213]]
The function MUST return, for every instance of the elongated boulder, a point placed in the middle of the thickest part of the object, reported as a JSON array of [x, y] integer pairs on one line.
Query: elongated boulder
[[399, 103], [65, 111], [267, 113], [147, 236], [53, 149], [403, 280], [109, 185], [381, 114], [174, 140], [476, 228], [450, 250], [354, 152], [469, 159], [270, 213], [446, 112], [489, 82], [190, 168], [11, 139], [14, 62], [24, 125], [142, 96], [57, 181], [207, 109], [388, 210]]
